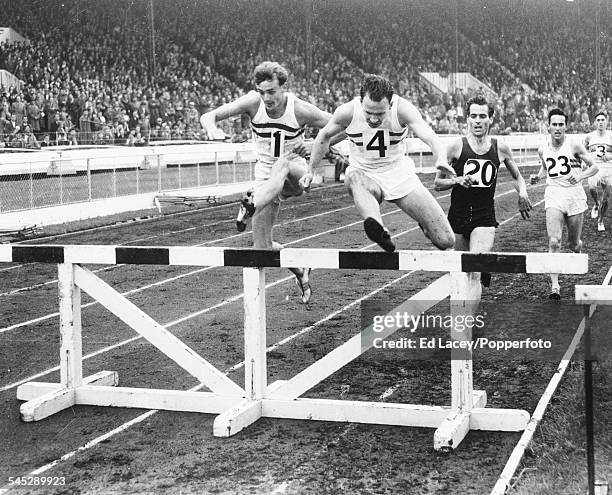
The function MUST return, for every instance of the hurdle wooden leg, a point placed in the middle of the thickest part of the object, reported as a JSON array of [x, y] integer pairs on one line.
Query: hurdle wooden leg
[[255, 372], [71, 353], [464, 296]]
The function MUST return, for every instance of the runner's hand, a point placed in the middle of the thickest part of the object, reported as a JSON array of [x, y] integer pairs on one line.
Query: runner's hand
[[306, 181], [445, 168], [300, 150], [466, 181], [216, 134], [524, 206]]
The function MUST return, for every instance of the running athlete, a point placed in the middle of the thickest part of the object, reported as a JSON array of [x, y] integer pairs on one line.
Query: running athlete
[[564, 198], [476, 160], [376, 123], [278, 119], [599, 144]]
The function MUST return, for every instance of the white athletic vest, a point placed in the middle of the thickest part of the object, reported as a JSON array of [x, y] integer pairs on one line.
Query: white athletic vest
[[600, 145], [560, 164], [276, 137], [375, 148]]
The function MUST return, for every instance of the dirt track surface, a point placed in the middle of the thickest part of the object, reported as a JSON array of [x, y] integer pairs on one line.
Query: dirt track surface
[[170, 452]]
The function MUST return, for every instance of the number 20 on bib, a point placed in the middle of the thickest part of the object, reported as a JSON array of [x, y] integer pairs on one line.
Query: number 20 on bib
[[484, 170]]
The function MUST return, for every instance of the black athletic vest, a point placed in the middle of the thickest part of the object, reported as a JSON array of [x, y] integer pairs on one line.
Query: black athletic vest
[[484, 167]]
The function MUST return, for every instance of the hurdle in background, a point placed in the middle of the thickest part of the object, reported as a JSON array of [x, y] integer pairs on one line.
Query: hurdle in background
[[591, 296], [238, 407]]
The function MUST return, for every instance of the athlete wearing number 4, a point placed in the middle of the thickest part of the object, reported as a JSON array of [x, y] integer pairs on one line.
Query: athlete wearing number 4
[[278, 119], [599, 144], [476, 160], [376, 123], [564, 198]]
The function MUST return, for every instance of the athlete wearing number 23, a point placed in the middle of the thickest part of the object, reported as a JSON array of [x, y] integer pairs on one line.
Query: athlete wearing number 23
[[376, 124], [476, 160], [564, 198]]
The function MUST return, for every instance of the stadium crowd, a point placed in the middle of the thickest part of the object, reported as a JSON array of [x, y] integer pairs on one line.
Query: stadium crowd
[[90, 76]]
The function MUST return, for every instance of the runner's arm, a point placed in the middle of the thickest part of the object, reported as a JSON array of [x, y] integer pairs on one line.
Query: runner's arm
[[581, 153], [409, 115], [518, 181], [336, 125], [245, 104], [442, 182]]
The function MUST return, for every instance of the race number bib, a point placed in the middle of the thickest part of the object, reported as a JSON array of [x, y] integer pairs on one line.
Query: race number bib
[[277, 143], [483, 170], [558, 167], [376, 142]]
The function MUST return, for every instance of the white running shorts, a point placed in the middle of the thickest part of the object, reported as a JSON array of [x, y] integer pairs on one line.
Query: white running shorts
[[395, 181], [568, 200]]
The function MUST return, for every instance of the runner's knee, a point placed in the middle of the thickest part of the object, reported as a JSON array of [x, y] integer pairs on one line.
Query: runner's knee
[[444, 241], [554, 244]]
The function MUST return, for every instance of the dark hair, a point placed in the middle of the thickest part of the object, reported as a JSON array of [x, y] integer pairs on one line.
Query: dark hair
[[377, 87], [267, 71], [556, 111], [602, 113], [478, 100]]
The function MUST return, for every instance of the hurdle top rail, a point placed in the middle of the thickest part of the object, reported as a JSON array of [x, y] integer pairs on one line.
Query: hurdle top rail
[[437, 261]]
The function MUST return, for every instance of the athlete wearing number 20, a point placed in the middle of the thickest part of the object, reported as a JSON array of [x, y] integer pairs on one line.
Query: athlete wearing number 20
[[476, 160]]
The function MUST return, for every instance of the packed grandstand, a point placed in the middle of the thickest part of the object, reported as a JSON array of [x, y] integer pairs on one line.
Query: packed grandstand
[[132, 72]]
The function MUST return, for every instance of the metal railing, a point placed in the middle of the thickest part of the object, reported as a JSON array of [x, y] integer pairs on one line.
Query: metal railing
[[44, 179]]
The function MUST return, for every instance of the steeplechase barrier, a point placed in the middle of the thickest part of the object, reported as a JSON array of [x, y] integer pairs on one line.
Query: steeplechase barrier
[[239, 407]]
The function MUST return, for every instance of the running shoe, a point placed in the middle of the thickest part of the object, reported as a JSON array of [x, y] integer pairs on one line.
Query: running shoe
[[246, 211], [600, 226], [377, 233], [595, 212], [555, 294], [304, 285]]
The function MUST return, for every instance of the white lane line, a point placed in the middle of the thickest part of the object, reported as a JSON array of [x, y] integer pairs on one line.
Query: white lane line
[[235, 367]]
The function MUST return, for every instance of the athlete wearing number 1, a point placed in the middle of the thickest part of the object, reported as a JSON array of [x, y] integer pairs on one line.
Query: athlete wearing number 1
[[476, 160], [278, 119], [376, 123], [564, 198]]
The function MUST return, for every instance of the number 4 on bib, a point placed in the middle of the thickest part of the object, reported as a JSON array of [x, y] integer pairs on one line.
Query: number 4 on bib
[[377, 143]]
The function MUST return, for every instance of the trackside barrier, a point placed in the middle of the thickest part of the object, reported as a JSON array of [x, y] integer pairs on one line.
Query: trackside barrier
[[591, 295], [238, 407]]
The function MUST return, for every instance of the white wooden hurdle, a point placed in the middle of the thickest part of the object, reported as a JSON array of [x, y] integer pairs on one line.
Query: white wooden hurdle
[[239, 407]]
